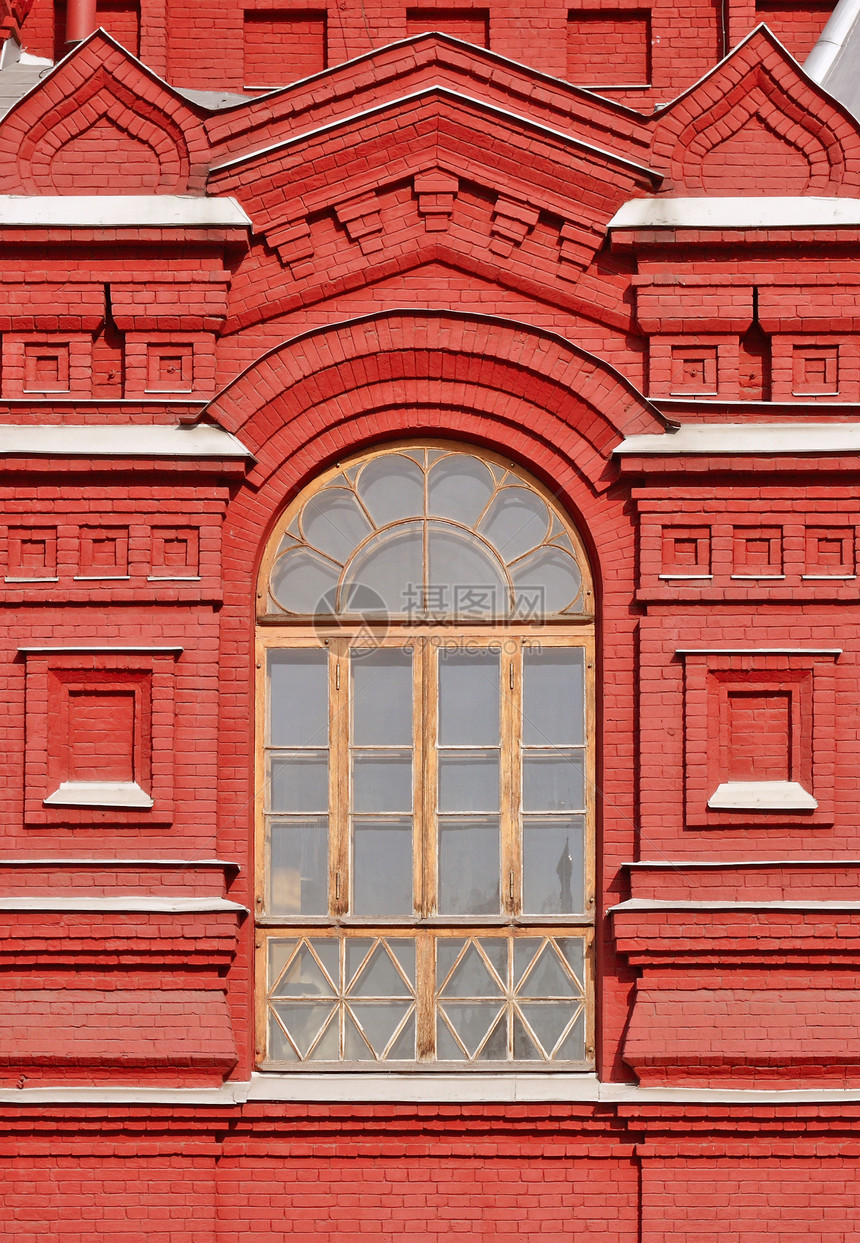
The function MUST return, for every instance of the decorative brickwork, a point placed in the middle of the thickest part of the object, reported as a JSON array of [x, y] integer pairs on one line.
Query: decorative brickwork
[[286, 239]]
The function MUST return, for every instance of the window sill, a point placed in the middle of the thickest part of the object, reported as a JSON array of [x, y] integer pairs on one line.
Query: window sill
[[762, 796], [98, 794], [421, 1085]]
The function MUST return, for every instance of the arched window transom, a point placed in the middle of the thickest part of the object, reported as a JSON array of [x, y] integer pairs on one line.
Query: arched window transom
[[427, 532]]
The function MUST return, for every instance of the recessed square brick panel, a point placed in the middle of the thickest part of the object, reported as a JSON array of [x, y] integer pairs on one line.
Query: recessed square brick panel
[[175, 552], [47, 363], [686, 551], [609, 47], [99, 736], [46, 369], [471, 25], [31, 553], [101, 729], [757, 552], [695, 369], [758, 734], [282, 45], [797, 26], [829, 552], [758, 738], [815, 370], [103, 552], [170, 368]]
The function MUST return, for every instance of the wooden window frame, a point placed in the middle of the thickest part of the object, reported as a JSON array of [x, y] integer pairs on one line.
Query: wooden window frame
[[426, 926]]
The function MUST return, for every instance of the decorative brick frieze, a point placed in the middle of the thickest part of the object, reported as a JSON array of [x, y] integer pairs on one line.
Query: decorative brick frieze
[[755, 551]]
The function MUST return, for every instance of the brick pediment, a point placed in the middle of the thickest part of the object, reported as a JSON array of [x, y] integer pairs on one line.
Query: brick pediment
[[100, 121], [434, 167]]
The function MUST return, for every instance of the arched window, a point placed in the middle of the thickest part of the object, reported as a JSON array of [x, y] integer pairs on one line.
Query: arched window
[[425, 647]]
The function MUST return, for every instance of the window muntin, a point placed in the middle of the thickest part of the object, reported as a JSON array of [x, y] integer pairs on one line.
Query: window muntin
[[425, 826]]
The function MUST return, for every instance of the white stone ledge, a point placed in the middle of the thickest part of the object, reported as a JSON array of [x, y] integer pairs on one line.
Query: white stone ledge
[[98, 794], [762, 796], [429, 1086], [683, 904], [136, 440], [758, 651], [681, 865], [175, 906], [770, 439], [107, 861], [419, 1088], [761, 212], [120, 211]]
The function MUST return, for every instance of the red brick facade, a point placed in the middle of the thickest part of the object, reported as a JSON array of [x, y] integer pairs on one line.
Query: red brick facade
[[207, 303]]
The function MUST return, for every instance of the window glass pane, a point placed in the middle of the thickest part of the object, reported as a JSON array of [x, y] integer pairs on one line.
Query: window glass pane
[[305, 1021], [298, 866], [382, 781], [465, 577], [459, 487], [298, 781], [378, 974], [516, 522], [468, 698], [468, 780], [553, 881], [480, 1028], [298, 698], [392, 488], [549, 1021], [382, 697], [334, 523], [390, 571], [546, 582], [382, 867], [553, 780], [379, 1022], [301, 581], [553, 696], [308, 974], [468, 866], [471, 976]]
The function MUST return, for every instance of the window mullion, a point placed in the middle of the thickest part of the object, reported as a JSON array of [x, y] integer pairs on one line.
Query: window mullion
[[425, 996], [426, 731], [339, 776], [511, 853]]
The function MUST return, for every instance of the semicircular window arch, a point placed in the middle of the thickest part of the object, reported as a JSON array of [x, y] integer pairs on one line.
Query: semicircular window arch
[[427, 532]]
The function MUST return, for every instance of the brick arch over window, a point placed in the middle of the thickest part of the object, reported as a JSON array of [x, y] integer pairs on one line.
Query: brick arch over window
[[523, 394], [414, 372]]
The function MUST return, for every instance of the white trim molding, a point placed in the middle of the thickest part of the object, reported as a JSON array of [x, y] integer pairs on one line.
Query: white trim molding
[[202, 440], [746, 438], [120, 211], [763, 212]]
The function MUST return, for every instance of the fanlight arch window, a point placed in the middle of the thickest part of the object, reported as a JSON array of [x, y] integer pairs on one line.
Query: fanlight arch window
[[425, 752]]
